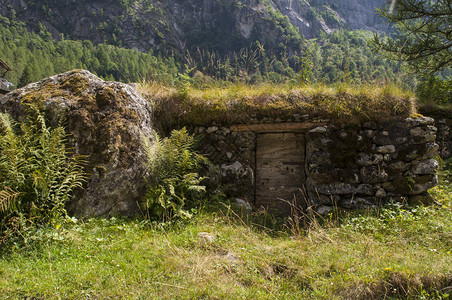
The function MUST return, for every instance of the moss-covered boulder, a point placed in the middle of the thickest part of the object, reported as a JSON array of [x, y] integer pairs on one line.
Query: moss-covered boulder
[[106, 122]]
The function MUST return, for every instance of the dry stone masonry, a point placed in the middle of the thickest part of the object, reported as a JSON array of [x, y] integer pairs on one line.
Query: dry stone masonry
[[324, 164]]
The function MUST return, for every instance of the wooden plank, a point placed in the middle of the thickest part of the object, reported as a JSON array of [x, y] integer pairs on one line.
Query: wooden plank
[[280, 161], [5, 65], [276, 127]]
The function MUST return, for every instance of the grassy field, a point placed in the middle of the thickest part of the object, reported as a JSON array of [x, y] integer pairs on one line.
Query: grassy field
[[393, 252]]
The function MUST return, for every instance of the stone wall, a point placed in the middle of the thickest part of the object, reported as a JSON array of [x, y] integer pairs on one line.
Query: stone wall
[[443, 121], [444, 137], [348, 165], [362, 165]]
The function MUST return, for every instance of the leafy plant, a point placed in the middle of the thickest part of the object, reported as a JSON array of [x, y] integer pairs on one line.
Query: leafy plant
[[174, 183], [38, 174]]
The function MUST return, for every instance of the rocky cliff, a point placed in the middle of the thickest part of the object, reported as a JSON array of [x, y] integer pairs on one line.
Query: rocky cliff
[[212, 24]]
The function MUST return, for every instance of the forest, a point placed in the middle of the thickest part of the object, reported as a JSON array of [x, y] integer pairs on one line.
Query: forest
[[343, 56]]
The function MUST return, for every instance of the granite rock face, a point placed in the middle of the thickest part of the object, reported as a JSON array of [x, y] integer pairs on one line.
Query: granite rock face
[[157, 25], [106, 122]]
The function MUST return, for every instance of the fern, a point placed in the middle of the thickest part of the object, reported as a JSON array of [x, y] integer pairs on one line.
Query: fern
[[174, 183], [8, 200], [38, 174]]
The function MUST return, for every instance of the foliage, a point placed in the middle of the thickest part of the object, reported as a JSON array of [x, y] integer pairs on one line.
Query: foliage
[[425, 36], [33, 57], [38, 174], [342, 56], [434, 89], [174, 182]]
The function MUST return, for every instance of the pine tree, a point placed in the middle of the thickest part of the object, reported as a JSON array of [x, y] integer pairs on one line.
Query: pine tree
[[424, 40]]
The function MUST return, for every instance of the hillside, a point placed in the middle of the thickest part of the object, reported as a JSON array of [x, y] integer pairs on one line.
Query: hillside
[[211, 24], [342, 56]]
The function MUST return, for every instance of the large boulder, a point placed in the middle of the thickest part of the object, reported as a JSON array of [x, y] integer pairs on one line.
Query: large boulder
[[106, 122]]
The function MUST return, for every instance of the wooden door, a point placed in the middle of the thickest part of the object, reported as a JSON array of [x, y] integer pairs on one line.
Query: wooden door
[[280, 174]]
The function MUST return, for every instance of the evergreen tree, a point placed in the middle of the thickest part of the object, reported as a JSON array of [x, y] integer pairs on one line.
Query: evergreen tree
[[424, 40], [26, 77]]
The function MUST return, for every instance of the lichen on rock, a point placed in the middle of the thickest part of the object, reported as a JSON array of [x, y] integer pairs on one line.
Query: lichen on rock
[[106, 122]]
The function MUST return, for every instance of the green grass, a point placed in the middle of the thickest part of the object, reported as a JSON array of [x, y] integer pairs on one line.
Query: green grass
[[395, 252], [237, 102]]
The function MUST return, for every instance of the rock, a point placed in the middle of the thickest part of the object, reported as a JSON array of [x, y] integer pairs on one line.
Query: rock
[[318, 129], [425, 167], [323, 210], [206, 237], [369, 133], [423, 199], [229, 155], [412, 185], [339, 188], [366, 159], [212, 129], [106, 122], [356, 203], [387, 149], [399, 166], [320, 158], [423, 134], [430, 150], [413, 122], [373, 174], [365, 189], [232, 258], [236, 170], [320, 199], [381, 193], [243, 204]]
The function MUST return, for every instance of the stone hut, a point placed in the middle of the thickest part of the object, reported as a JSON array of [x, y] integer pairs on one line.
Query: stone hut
[[307, 148], [296, 149]]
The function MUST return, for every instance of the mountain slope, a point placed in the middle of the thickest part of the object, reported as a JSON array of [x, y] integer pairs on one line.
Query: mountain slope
[[184, 24]]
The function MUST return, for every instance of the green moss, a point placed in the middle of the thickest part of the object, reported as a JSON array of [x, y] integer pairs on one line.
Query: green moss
[[76, 84]]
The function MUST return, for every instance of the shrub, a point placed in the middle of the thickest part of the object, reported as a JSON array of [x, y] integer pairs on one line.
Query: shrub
[[174, 184], [38, 174]]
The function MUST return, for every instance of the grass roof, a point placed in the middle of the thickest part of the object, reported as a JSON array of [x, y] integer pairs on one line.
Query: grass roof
[[241, 103]]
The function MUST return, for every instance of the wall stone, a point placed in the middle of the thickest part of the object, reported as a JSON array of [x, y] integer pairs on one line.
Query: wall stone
[[444, 137], [443, 121], [349, 165]]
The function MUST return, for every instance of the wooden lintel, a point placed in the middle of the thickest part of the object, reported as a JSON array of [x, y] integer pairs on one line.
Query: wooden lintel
[[276, 127]]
